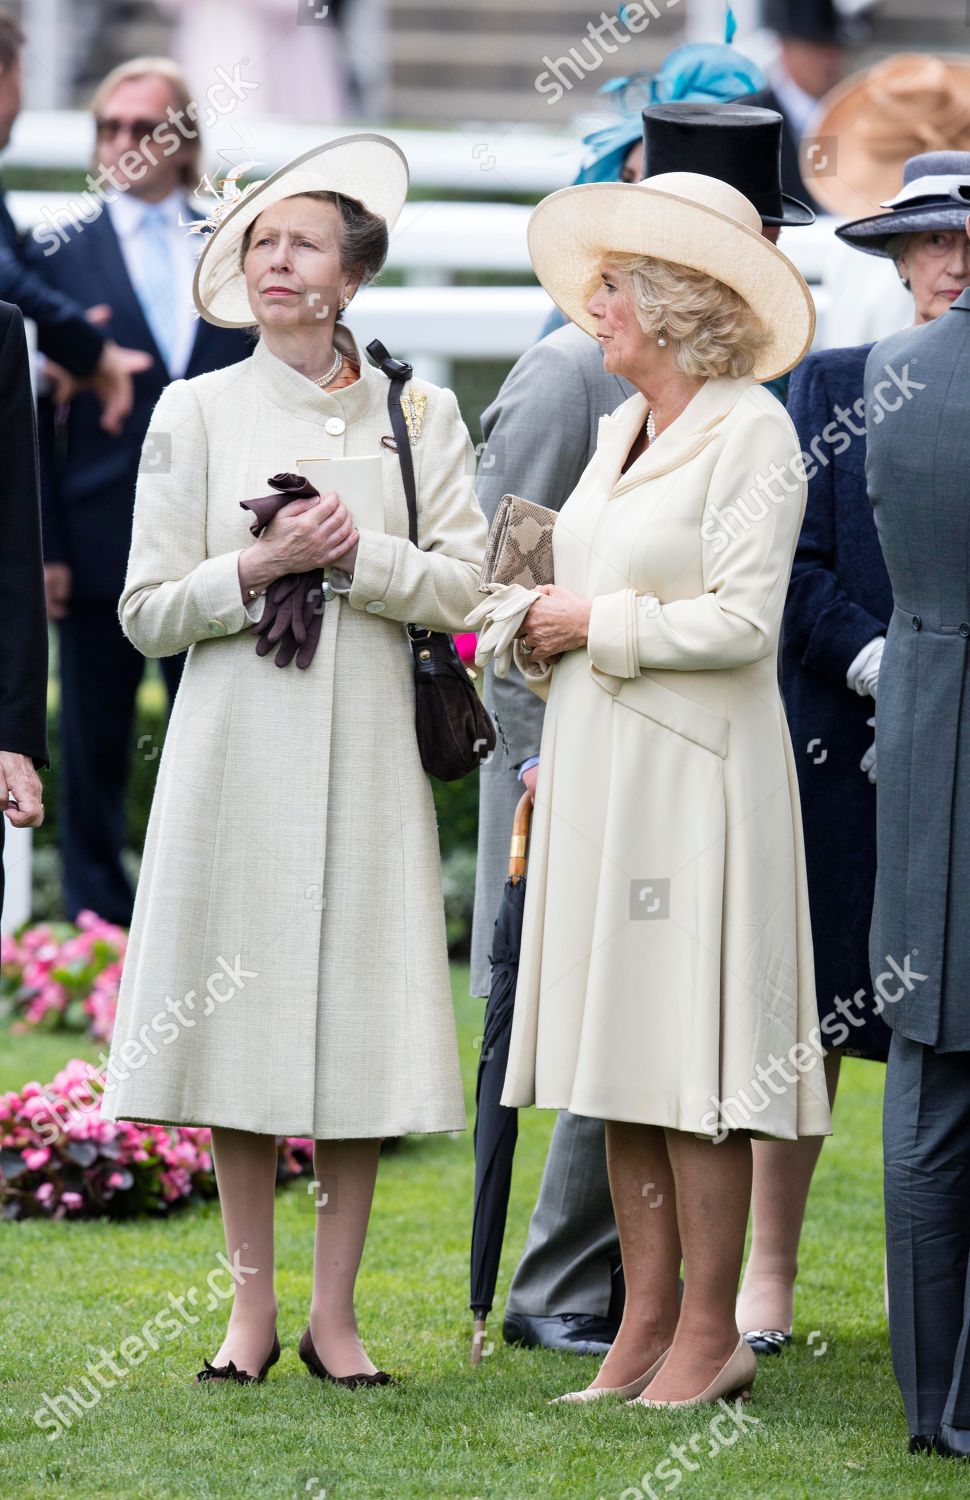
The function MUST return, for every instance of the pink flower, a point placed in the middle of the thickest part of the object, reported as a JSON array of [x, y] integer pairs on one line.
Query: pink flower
[[44, 1193], [72, 1201], [37, 1158]]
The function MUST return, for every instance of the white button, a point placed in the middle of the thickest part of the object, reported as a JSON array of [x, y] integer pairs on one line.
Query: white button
[[335, 426], [375, 607], [216, 627], [329, 592]]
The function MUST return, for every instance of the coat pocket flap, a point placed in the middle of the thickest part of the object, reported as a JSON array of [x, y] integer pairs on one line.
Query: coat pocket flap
[[691, 720]]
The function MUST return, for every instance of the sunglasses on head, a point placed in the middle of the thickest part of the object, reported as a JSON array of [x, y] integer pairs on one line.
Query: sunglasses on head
[[107, 128]]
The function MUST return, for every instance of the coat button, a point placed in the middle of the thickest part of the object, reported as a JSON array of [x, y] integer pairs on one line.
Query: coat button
[[329, 592], [965, 630], [917, 623], [216, 627], [375, 607], [334, 425]]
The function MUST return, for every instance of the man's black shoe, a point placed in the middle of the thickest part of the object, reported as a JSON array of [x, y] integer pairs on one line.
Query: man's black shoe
[[922, 1443], [576, 1333], [953, 1442]]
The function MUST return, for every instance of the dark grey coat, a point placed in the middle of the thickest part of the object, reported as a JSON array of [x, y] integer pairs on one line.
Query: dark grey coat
[[918, 473]]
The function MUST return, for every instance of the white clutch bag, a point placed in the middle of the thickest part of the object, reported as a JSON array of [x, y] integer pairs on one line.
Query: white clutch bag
[[358, 481]]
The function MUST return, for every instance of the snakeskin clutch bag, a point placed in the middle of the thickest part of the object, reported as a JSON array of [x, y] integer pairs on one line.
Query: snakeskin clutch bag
[[519, 546]]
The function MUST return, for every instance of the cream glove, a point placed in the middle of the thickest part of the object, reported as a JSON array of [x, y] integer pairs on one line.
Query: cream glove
[[497, 620]]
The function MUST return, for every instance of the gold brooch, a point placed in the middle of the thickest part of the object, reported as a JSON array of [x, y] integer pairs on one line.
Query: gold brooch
[[413, 404]]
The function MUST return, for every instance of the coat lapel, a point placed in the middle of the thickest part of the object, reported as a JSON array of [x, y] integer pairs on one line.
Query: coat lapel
[[677, 444], [125, 306]]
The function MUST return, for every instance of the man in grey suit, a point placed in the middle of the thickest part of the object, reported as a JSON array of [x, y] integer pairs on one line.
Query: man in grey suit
[[540, 433], [917, 416]]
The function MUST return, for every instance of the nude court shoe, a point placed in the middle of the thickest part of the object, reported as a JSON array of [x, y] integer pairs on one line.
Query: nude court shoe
[[593, 1393], [733, 1382]]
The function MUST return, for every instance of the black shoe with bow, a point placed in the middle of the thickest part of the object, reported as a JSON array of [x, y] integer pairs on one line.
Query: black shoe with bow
[[316, 1367], [239, 1377]]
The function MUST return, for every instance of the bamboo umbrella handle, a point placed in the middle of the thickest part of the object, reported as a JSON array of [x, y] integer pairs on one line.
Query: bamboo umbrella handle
[[478, 1340], [520, 838]]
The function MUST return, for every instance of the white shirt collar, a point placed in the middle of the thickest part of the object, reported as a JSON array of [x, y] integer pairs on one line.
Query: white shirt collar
[[796, 104], [127, 211]]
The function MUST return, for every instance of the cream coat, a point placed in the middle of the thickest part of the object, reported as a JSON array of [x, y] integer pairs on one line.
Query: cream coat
[[667, 951], [291, 881]]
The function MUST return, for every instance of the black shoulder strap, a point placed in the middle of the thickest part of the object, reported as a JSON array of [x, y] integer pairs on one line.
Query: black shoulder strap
[[398, 374]]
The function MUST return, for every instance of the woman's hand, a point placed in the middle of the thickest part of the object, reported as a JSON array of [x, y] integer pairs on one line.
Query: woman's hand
[[557, 622], [303, 535]]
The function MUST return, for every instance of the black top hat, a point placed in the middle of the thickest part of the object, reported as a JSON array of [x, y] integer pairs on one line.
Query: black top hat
[[738, 143], [811, 21]]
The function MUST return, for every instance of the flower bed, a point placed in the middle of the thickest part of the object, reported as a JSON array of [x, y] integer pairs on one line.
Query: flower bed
[[64, 977], [59, 1158]]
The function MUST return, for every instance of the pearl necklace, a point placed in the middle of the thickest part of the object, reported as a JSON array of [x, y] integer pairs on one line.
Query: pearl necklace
[[651, 426], [337, 362]]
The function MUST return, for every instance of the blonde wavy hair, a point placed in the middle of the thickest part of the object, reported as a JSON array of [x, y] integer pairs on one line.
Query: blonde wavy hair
[[713, 329]]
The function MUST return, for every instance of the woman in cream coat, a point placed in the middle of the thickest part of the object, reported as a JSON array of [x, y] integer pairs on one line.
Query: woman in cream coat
[[287, 970], [666, 981]]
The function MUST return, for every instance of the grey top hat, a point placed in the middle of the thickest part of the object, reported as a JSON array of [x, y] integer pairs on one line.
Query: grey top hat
[[935, 195]]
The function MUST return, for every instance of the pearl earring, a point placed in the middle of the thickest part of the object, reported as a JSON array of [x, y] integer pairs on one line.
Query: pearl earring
[[661, 340], [344, 303]]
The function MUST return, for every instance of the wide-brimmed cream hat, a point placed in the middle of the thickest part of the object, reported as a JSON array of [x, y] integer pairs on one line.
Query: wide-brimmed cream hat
[[369, 168], [682, 217]]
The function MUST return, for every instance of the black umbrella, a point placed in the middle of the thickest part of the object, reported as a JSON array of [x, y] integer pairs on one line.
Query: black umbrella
[[497, 1128]]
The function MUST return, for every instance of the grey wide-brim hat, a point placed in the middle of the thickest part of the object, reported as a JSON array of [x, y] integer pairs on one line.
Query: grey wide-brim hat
[[369, 168], [935, 195]]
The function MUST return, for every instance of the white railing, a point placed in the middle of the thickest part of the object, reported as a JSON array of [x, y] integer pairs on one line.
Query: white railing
[[468, 159], [430, 319], [17, 847]]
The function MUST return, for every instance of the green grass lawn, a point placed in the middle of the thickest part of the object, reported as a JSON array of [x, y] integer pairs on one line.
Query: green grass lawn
[[829, 1421]]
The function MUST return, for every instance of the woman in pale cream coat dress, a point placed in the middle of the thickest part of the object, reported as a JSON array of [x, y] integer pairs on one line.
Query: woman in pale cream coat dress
[[287, 971], [666, 968]]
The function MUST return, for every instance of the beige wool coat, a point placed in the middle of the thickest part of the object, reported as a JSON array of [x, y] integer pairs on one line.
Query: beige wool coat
[[290, 886], [666, 953]]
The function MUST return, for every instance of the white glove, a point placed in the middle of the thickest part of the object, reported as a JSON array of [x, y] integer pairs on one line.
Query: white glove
[[497, 620], [863, 674], [868, 761]]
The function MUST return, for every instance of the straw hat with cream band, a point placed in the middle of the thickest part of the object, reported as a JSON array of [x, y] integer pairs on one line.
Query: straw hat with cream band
[[369, 168], [684, 218]]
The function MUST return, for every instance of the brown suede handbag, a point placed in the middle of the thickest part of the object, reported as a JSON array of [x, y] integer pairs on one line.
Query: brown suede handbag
[[454, 728]]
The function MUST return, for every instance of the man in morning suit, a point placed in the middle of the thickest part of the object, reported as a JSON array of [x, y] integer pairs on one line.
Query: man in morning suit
[[23, 629], [919, 942], [136, 256]]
